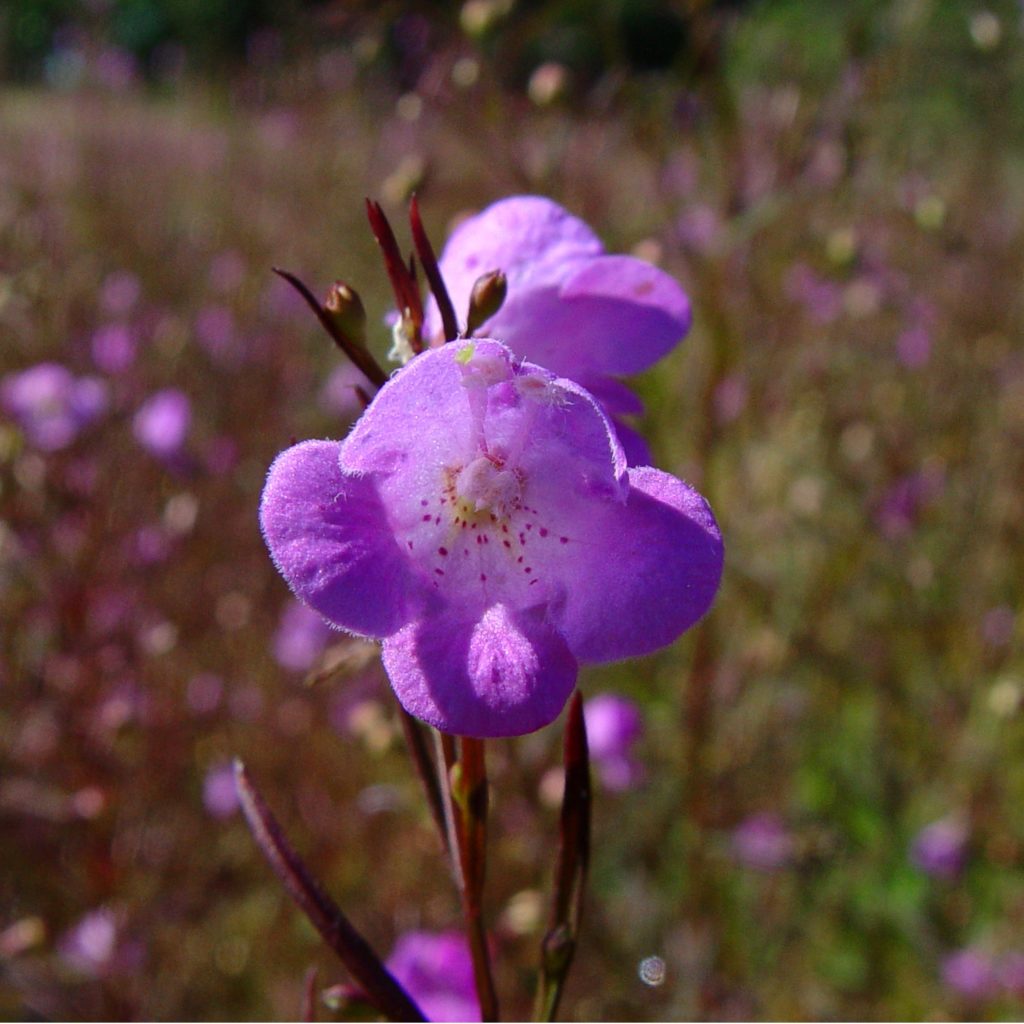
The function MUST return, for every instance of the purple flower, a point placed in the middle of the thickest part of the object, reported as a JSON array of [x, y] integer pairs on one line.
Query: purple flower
[[901, 505], [701, 228], [436, 969], [220, 797], [116, 69], [821, 298], [301, 636], [113, 348], [120, 292], [571, 307], [481, 520], [51, 404], [970, 973], [148, 545], [162, 422], [215, 331], [940, 848], [613, 727], [762, 842], [89, 946], [914, 347]]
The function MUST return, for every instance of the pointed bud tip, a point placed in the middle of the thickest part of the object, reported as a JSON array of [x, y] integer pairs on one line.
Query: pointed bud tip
[[486, 298], [344, 306]]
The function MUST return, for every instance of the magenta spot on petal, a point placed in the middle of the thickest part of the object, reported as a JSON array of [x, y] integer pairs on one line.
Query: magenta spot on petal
[[564, 540], [507, 544], [483, 577], [543, 531], [440, 572], [427, 518], [424, 502], [528, 569], [442, 551]]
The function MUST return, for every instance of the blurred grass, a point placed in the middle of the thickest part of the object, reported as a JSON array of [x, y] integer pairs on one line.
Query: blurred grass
[[860, 675]]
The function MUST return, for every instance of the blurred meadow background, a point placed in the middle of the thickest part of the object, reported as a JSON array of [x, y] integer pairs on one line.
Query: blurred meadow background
[[824, 816]]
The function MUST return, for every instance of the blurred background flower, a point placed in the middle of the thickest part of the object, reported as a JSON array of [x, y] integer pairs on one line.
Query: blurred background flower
[[940, 849], [437, 971], [762, 842], [51, 405], [162, 422], [614, 726], [849, 398]]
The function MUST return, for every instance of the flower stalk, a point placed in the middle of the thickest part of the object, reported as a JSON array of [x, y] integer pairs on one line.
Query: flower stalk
[[466, 791], [559, 945]]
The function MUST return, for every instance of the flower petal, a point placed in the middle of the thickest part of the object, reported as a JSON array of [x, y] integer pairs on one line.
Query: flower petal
[[400, 428], [625, 578], [602, 315], [505, 674], [634, 444], [613, 396], [632, 312], [530, 238], [328, 536]]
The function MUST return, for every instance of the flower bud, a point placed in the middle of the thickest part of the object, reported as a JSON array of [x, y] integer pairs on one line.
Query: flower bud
[[486, 299], [345, 308]]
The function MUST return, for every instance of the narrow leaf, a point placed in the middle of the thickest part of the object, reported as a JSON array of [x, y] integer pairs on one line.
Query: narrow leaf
[[359, 355], [430, 267], [423, 762], [402, 278], [351, 948]]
